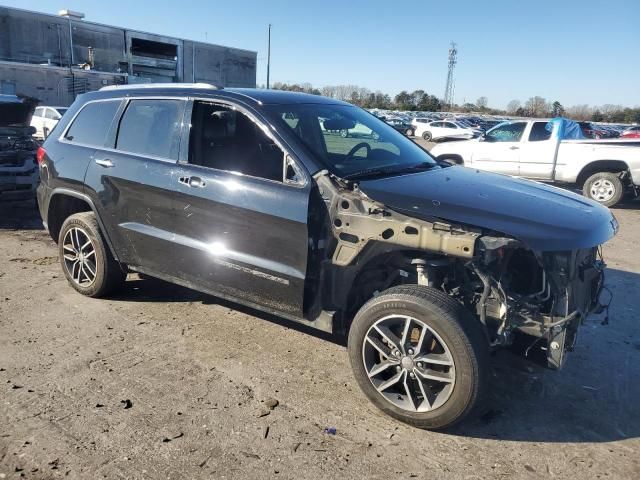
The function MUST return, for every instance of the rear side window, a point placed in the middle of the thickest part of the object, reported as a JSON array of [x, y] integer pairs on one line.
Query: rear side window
[[151, 127], [539, 133], [92, 124]]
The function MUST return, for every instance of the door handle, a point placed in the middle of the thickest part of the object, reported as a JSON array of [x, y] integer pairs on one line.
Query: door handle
[[106, 163], [514, 148], [195, 182]]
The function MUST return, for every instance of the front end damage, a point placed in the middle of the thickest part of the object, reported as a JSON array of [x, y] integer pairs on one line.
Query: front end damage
[[532, 301]]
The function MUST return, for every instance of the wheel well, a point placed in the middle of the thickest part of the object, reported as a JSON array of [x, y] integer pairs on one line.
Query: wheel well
[[62, 207], [457, 159], [613, 166]]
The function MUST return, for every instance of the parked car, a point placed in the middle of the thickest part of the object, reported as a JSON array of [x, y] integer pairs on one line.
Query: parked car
[[604, 170], [245, 194], [45, 118], [402, 126], [447, 129], [631, 132], [18, 167]]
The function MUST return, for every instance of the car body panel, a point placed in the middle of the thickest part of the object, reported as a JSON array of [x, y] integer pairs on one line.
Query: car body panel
[[514, 207]]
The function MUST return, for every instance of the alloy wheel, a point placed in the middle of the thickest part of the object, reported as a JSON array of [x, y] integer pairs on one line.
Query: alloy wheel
[[79, 256], [408, 363]]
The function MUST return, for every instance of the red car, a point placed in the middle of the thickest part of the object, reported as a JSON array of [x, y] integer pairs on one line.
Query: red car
[[631, 132]]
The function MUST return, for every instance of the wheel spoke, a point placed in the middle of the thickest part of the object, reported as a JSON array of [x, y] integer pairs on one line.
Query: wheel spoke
[[405, 331], [390, 336], [90, 254], [76, 275], [425, 334], [71, 258], [428, 374], [425, 397], [392, 381], [91, 270], [85, 245], [435, 359], [69, 248], [379, 346], [407, 389], [380, 367], [76, 238]]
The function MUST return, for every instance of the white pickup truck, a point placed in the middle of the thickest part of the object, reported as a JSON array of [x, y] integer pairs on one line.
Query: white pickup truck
[[605, 170]]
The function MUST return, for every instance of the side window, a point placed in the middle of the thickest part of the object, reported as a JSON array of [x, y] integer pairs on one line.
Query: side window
[[50, 114], [38, 112], [539, 133], [448, 125], [92, 124], [511, 132], [226, 139], [151, 127], [436, 124]]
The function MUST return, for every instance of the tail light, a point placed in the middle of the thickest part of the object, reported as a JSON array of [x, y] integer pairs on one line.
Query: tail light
[[40, 155]]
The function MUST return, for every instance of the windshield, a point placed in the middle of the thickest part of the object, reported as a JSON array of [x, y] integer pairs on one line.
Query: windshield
[[351, 142]]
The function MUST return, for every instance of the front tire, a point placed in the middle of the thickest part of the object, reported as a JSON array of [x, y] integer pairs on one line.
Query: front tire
[[409, 132], [605, 188], [85, 257], [426, 136], [419, 356]]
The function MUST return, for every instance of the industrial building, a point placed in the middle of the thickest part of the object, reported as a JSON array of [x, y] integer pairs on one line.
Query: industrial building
[[54, 58]]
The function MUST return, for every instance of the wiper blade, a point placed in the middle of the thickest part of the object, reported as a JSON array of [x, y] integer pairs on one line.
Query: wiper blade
[[372, 172], [366, 173]]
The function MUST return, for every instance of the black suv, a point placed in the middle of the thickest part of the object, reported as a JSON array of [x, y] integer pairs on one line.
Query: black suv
[[254, 196]]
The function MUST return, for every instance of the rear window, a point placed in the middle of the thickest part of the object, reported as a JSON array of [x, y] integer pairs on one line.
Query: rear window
[[92, 124], [151, 127]]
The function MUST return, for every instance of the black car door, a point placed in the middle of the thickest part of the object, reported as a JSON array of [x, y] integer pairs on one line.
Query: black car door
[[132, 182], [241, 224]]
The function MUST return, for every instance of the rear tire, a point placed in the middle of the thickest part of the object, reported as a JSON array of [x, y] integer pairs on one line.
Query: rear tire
[[426, 136], [409, 132], [606, 188], [454, 358], [85, 257]]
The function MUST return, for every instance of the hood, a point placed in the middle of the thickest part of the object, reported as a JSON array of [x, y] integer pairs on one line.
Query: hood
[[15, 111], [545, 218]]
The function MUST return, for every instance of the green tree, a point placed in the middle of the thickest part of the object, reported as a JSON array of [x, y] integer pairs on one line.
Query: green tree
[[557, 110]]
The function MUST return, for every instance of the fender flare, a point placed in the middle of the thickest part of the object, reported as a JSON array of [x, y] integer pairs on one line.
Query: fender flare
[[85, 198]]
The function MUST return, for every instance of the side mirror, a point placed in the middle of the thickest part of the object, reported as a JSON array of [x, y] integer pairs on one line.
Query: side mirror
[[31, 130]]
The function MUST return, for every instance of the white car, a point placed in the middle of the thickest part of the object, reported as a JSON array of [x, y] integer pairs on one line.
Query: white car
[[45, 118], [443, 129]]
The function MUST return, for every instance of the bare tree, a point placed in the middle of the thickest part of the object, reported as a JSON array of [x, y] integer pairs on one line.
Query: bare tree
[[513, 106], [580, 112], [537, 107], [482, 103]]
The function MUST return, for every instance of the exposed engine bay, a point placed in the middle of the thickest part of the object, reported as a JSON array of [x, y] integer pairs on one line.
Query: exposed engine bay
[[531, 301]]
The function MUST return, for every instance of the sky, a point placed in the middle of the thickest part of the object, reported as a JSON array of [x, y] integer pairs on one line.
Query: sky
[[576, 52]]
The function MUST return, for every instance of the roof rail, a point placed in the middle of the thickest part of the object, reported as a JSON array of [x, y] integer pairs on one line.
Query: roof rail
[[136, 86]]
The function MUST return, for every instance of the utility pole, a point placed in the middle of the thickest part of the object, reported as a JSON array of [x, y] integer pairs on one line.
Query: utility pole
[[269, 56], [448, 91]]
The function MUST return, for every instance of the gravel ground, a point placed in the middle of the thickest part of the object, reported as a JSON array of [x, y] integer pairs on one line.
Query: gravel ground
[[165, 382]]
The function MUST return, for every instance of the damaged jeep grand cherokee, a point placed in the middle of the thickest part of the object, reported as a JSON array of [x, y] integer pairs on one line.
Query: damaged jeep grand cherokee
[[256, 197]]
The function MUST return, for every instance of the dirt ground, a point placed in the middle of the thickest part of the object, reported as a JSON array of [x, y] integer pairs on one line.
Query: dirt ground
[[164, 382]]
